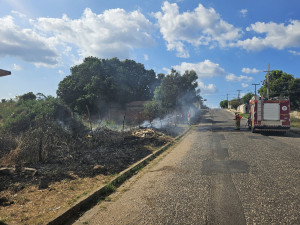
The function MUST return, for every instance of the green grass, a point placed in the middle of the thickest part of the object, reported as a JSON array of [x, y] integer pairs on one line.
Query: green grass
[[244, 115], [295, 122]]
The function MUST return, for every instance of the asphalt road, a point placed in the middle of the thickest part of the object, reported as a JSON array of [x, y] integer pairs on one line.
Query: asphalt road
[[215, 175]]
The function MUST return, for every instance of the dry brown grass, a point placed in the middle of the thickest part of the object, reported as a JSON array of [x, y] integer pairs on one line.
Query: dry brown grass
[[70, 178], [34, 206]]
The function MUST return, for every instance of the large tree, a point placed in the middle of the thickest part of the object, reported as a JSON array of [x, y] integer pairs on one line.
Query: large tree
[[224, 104], [98, 82], [283, 85], [246, 98], [235, 103], [279, 84], [177, 91], [294, 94]]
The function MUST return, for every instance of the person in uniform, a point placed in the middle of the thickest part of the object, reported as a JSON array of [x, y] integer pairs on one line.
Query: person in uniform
[[237, 119]]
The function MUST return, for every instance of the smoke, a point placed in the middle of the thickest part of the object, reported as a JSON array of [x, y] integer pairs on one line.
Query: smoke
[[179, 117], [160, 123]]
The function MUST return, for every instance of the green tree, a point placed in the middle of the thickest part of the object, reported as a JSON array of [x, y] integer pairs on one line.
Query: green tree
[[98, 82], [294, 94], [246, 98], [283, 85], [235, 103], [160, 76], [224, 104], [152, 110], [88, 84], [177, 91], [27, 96], [279, 84]]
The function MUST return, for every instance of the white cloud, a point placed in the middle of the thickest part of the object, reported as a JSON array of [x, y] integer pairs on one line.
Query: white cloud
[[21, 15], [244, 12], [278, 36], [234, 78], [203, 26], [26, 44], [61, 72], [245, 85], [114, 33], [294, 52], [17, 67], [248, 70], [205, 69], [207, 89], [146, 57], [167, 70]]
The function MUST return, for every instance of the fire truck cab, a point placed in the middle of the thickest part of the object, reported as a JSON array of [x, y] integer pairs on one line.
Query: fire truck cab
[[269, 114]]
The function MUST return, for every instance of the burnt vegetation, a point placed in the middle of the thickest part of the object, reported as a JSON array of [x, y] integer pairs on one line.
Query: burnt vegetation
[[44, 139]]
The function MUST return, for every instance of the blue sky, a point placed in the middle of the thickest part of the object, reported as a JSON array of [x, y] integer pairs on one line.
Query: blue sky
[[228, 43]]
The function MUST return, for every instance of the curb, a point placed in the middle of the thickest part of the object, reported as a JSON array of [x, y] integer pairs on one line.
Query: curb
[[295, 131], [73, 213]]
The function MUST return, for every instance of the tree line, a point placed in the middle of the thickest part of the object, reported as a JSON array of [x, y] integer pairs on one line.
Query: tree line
[[95, 84], [98, 83], [40, 127], [281, 84]]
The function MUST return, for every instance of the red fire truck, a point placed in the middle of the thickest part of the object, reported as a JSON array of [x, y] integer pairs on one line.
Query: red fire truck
[[269, 114]]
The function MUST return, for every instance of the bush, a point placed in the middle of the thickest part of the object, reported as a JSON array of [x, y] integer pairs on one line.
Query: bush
[[7, 143], [24, 114], [39, 130], [44, 141]]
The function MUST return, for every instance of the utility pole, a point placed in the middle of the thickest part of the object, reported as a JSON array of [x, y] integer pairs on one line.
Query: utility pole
[[239, 94], [268, 83], [255, 88], [227, 102]]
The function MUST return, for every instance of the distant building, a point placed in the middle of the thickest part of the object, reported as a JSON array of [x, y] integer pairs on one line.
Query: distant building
[[243, 108]]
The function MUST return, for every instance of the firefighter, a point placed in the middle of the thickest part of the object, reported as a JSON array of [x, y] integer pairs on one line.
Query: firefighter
[[189, 118], [237, 119]]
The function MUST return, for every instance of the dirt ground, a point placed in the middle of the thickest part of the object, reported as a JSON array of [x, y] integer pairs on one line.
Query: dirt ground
[[35, 193]]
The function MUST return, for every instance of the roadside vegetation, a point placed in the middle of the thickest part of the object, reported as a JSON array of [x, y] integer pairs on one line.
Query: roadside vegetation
[[236, 102], [50, 155], [244, 115], [295, 122]]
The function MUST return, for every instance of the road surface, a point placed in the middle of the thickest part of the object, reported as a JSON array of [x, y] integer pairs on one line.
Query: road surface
[[215, 175]]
